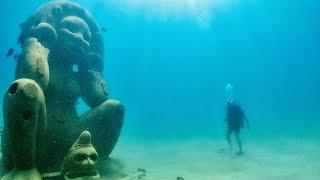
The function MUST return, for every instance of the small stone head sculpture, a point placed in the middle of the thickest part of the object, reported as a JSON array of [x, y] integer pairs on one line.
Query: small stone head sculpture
[[81, 160]]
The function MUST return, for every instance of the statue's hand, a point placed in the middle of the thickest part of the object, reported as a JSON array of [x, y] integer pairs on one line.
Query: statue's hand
[[93, 88]]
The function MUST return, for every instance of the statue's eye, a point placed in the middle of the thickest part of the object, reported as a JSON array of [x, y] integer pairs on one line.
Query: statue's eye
[[72, 27], [93, 157], [80, 157]]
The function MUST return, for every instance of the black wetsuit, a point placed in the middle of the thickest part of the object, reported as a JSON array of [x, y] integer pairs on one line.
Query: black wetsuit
[[235, 118], [235, 121]]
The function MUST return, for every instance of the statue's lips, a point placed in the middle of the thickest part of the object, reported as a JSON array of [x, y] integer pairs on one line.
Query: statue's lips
[[82, 173]]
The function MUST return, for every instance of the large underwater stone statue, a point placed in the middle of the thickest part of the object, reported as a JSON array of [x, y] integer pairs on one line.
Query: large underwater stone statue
[[40, 117]]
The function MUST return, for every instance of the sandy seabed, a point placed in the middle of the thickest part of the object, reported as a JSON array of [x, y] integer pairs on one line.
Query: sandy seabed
[[208, 159]]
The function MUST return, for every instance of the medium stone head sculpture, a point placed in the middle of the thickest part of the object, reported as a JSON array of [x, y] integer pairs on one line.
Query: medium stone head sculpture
[[81, 159]]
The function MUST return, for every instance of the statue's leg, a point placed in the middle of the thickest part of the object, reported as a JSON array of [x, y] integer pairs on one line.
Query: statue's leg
[[7, 157], [105, 123], [24, 127]]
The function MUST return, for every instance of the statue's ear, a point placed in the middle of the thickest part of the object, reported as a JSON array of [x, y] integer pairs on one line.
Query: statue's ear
[[57, 13]]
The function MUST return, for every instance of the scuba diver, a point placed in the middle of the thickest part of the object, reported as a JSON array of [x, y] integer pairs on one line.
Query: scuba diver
[[235, 119]]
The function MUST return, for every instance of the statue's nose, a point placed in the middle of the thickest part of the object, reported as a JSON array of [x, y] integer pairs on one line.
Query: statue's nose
[[89, 161], [81, 41], [78, 35]]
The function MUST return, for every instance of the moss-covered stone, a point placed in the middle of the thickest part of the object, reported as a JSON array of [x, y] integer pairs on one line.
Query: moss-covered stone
[[58, 36]]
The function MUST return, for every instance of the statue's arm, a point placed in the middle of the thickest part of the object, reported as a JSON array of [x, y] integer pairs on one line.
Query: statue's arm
[[33, 62], [93, 88], [92, 84]]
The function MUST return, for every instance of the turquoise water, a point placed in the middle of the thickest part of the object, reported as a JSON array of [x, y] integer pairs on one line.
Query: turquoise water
[[169, 62]]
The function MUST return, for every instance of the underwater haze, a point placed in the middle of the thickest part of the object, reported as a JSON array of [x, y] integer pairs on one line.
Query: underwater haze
[[169, 62]]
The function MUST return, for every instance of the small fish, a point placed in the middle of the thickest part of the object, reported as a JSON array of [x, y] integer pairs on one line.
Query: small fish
[[10, 52], [104, 29], [180, 178]]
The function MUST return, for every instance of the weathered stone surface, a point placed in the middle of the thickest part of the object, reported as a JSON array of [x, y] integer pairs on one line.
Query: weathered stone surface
[[57, 37]]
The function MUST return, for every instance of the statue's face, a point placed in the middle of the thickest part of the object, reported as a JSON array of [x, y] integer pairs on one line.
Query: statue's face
[[73, 37], [81, 163]]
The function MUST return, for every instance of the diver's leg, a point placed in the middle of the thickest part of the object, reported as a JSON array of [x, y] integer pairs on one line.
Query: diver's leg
[[237, 137], [228, 138], [24, 126], [105, 123]]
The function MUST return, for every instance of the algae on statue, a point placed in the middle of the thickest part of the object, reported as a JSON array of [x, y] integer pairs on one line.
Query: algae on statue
[[42, 101]]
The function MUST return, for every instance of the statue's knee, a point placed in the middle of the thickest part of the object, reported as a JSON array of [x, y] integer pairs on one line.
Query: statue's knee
[[23, 101], [113, 106], [25, 90], [24, 119], [113, 112], [24, 104]]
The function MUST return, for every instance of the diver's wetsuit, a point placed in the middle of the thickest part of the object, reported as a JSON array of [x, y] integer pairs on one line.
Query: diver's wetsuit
[[235, 121]]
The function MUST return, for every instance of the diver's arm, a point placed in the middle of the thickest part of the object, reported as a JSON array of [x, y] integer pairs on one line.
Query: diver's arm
[[247, 124], [33, 62], [247, 121]]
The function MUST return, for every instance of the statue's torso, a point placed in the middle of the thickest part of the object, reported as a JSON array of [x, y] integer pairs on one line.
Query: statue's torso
[[61, 97]]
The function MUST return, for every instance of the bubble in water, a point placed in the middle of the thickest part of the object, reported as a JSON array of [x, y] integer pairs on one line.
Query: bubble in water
[[229, 92]]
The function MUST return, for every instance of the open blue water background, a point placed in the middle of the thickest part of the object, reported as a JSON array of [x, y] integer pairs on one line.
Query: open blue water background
[[169, 62]]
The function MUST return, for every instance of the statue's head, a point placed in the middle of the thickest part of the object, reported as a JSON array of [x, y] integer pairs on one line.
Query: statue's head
[[73, 36], [81, 159], [68, 31]]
